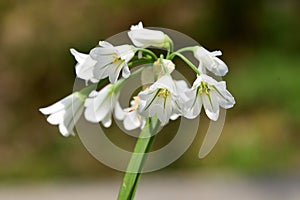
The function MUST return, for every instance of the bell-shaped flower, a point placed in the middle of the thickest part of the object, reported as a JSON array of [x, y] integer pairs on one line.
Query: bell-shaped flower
[[182, 98], [157, 70], [85, 66], [132, 118], [100, 105], [160, 99], [211, 94], [210, 61], [111, 60], [65, 113], [142, 37]]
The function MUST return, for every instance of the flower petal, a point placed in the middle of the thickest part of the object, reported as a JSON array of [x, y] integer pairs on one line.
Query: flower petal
[[137, 27], [142, 37], [158, 110], [85, 69], [64, 130], [166, 82], [57, 106], [226, 100], [125, 52], [211, 106], [208, 60], [104, 55], [182, 88], [107, 120], [56, 118], [174, 116], [118, 111], [105, 44], [79, 57], [115, 70], [125, 71], [131, 121], [193, 107], [221, 68], [98, 107]]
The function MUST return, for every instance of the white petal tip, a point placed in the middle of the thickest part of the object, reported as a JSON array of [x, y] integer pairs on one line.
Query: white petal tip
[[42, 110], [64, 131], [73, 51], [213, 118], [202, 154], [107, 124]]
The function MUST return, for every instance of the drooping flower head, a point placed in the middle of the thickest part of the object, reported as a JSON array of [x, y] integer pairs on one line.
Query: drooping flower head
[[85, 66], [65, 113], [142, 37], [159, 68], [211, 94], [100, 105], [111, 60], [209, 61], [132, 118], [160, 100]]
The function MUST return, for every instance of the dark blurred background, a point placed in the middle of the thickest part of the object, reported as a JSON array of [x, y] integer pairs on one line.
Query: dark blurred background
[[260, 44]]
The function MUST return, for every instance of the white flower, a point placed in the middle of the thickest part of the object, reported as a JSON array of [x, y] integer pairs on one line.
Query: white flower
[[211, 94], [132, 118], [208, 60], [149, 74], [85, 66], [111, 60], [65, 113], [100, 105], [142, 37], [159, 69], [182, 98], [161, 99]]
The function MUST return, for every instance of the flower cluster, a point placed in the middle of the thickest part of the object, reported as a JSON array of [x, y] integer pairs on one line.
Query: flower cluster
[[165, 98]]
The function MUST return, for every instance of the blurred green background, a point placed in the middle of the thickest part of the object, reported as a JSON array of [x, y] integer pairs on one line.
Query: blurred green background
[[260, 44]]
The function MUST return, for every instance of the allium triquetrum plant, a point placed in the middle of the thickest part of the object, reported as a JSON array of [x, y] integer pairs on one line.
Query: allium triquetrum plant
[[155, 105]]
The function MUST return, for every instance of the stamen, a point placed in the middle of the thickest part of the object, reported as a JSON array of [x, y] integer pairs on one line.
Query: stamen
[[135, 104], [163, 92], [116, 59], [204, 88]]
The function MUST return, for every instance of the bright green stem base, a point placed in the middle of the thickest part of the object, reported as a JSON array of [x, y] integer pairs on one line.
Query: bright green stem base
[[138, 158]]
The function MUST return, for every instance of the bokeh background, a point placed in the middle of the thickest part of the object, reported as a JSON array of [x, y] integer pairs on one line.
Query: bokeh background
[[260, 44]]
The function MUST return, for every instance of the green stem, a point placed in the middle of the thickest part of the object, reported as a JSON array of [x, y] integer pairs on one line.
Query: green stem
[[189, 63], [162, 64], [171, 47], [138, 158], [181, 50], [139, 62], [186, 49], [147, 51]]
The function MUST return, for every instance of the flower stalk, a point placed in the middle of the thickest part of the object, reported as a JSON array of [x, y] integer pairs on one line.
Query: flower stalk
[[189, 63], [148, 52], [138, 158]]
